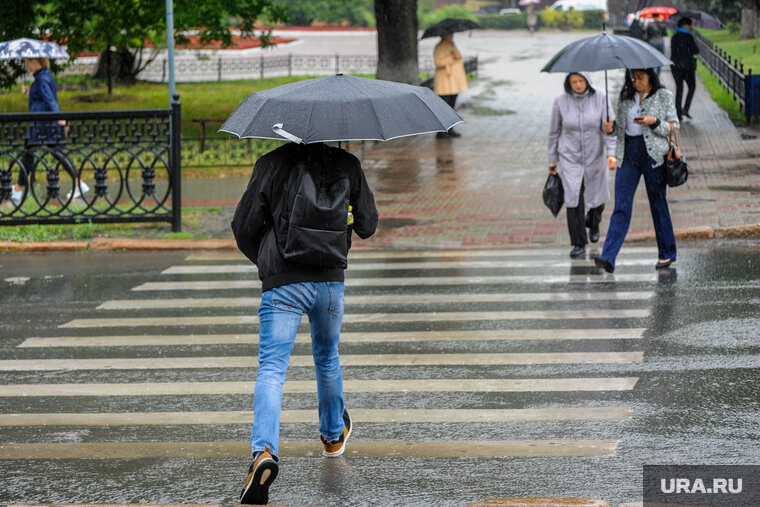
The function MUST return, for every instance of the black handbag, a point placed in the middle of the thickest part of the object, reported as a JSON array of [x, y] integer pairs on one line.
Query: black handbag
[[554, 193], [676, 171]]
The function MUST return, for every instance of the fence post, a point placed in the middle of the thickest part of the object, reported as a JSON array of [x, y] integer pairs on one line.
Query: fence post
[[176, 162], [290, 64], [261, 67], [163, 73], [751, 103], [219, 69], [337, 63]]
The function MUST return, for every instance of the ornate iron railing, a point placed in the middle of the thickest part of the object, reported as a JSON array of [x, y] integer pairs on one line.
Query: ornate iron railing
[[101, 166], [259, 67]]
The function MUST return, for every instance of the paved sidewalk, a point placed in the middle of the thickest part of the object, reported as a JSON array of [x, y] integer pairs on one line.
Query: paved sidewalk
[[484, 189]]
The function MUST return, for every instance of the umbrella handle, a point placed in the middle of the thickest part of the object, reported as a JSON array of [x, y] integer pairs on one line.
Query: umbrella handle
[[277, 129]]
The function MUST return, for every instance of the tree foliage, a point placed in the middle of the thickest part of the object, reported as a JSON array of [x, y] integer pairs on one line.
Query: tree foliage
[[305, 12], [127, 26], [17, 21]]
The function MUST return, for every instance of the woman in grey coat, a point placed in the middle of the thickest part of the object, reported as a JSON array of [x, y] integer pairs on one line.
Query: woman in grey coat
[[646, 113], [579, 142]]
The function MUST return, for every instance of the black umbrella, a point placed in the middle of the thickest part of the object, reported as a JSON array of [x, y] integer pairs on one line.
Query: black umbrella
[[340, 108], [448, 26], [699, 19], [604, 52]]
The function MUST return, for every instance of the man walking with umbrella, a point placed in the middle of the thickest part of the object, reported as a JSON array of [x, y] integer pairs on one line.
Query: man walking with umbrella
[[295, 222]]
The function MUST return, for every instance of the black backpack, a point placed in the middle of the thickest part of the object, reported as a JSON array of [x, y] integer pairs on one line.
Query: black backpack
[[313, 222]]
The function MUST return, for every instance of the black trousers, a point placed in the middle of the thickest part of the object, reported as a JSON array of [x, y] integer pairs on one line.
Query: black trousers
[[449, 99], [29, 161], [681, 76], [577, 223]]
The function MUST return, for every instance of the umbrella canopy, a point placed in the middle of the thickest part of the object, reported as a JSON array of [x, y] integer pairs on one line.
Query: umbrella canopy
[[665, 12], [448, 26], [340, 108], [528, 2], [603, 52], [31, 48], [700, 19]]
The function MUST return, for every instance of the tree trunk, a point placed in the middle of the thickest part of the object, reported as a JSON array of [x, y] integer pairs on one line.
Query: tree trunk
[[397, 41], [749, 19]]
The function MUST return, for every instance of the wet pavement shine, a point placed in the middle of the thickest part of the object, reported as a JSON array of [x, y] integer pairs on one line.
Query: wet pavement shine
[[509, 372]]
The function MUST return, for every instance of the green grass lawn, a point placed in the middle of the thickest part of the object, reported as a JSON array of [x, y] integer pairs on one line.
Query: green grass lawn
[[747, 51], [720, 94], [199, 100]]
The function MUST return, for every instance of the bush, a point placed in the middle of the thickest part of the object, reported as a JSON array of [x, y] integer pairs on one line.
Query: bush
[[573, 19], [593, 19], [511, 22], [450, 11], [552, 18], [734, 26]]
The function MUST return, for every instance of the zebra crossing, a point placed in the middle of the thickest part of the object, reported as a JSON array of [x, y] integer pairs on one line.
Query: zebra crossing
[[430, 338]]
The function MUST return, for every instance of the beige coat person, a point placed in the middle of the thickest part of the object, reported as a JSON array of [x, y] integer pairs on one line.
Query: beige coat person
[[450, 77]]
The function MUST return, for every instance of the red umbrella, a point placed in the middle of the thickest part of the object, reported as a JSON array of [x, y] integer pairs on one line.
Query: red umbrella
[[665, 12]]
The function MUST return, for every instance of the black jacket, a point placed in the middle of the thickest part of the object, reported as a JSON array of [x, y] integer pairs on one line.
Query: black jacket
[[683, 49], [252, 223]]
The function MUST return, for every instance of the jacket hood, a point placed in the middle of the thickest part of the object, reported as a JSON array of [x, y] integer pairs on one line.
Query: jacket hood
[[586, 76]]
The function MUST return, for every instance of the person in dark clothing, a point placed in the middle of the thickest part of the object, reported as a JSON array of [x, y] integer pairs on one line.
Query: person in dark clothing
[[656, 32], [683, 49], [43, 97], [290, 290]]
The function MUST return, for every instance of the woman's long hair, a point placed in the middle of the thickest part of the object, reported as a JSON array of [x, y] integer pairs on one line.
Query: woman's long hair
[[628, 90]]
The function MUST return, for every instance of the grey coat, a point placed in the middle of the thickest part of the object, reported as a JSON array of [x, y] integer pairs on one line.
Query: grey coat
[[662, 106], [580, 146]]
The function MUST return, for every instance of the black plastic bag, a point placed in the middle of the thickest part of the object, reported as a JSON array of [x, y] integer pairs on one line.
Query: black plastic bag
[[554, 193]]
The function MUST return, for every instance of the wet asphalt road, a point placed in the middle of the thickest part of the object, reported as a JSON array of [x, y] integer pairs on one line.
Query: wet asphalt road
[[695, 401]]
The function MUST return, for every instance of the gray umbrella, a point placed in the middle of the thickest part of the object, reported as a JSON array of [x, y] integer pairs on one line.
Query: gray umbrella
[[604, 52], [340, 108], [31, 48]]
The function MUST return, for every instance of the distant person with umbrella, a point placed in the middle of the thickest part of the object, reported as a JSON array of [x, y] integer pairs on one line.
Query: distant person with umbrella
[[683, 51], [531, 18], [43, 97], [295, 221], [656, 32], [646, 113], [450, 77], [580, 142]]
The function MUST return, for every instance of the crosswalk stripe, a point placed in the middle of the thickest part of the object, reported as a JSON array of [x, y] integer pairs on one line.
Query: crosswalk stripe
[[307, 416], [159, 363], [358, 448], [232, 320], [345, 337], [393, 266], [232, 302], [310, 386], [412, 281], [543, 251]]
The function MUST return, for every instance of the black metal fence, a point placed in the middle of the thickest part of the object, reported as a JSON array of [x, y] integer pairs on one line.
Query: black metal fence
[[100, 167], [730, 71]]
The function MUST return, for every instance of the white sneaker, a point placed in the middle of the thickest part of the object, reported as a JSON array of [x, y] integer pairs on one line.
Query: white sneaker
[[77, 192]]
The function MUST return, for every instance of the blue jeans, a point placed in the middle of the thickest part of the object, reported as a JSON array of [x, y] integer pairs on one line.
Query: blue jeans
[[637, 162], [280, 314]]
